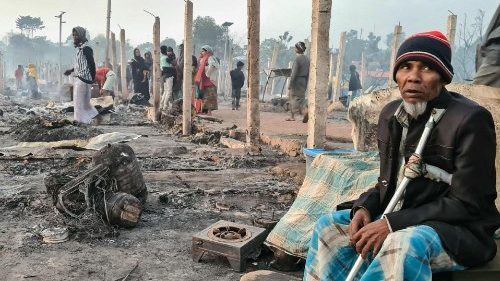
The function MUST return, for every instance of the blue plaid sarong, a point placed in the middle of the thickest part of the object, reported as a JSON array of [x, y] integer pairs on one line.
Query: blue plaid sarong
[[413, 253]]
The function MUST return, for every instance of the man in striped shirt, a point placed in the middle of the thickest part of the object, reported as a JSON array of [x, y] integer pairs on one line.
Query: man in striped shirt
[[84, 72]]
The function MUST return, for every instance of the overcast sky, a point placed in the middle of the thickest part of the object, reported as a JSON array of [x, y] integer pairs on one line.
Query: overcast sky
[[277, 16]]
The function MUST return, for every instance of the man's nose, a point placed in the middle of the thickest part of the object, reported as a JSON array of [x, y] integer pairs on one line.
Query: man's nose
[[414, 76]]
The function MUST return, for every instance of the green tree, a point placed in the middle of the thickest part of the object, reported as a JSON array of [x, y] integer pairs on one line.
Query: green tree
[[372, 44], [207, 32], [266, 50], [285, 38], [285, 54], [389, 37], [145, 47], [169, 42], [23, 50], [29, 24], [354, 47]]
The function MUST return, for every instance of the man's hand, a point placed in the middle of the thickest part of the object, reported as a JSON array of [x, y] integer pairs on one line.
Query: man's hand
[[415, 167], [68, 72], [371, 237], [361, 218]]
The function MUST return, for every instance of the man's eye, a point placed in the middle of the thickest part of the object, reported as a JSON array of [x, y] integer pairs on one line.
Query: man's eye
[[404, 66], [426, 68]]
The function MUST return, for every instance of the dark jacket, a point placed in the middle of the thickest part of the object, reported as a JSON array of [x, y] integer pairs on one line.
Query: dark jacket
[[237, 78], [462, 143], [354, 82], [138, 65]]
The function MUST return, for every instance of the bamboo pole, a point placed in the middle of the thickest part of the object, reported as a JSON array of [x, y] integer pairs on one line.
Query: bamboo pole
[[395, 45], [2, 76], [287, 81], [108, 19], [330, 74], [340, 66], [123, 69], [363, 70], [274, 63], [452, 29], [318, 73], [227, 84], [113, 61], [253, 115], [156, 69], [187, 83]]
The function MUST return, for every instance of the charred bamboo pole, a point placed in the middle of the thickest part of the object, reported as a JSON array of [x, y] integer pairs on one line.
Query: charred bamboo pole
[[395, 45]]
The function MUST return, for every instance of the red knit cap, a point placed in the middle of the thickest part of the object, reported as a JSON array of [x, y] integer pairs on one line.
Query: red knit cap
[[432, 48]]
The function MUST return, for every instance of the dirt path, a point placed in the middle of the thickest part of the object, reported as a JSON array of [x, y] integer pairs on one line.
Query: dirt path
[[273, 123]]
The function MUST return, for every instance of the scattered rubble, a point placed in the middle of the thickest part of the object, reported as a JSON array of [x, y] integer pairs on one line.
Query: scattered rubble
[[232, 143], [275, 105], [47, 129], [55, 235], [190, 184]]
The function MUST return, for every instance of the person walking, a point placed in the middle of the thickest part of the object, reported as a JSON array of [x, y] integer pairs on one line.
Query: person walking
[[354, 84], [84, 72], [298, 81], [237, 82]]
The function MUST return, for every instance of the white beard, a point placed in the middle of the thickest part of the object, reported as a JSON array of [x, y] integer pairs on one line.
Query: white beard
[[415, 110]]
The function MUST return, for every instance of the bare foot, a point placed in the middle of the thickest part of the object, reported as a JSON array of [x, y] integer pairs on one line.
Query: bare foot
[[290, 119]]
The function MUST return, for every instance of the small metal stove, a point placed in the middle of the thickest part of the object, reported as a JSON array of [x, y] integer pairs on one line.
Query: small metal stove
[[231, 240]]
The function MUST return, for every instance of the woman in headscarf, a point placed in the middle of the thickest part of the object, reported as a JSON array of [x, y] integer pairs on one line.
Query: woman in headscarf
[[206, 79], [148, 60], [298, 81], [139, 77], [84, 72]]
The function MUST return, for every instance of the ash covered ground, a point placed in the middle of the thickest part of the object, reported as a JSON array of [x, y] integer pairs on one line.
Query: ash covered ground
[[188, 180]]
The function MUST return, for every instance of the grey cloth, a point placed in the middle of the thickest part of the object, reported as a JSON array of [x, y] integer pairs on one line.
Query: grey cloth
[[236, 95], [493, 30], [488, 57], [297, 103], [299, 77], [489, 75]]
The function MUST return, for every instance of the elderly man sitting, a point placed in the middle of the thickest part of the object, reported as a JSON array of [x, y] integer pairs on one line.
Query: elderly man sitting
[[436, 226]]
